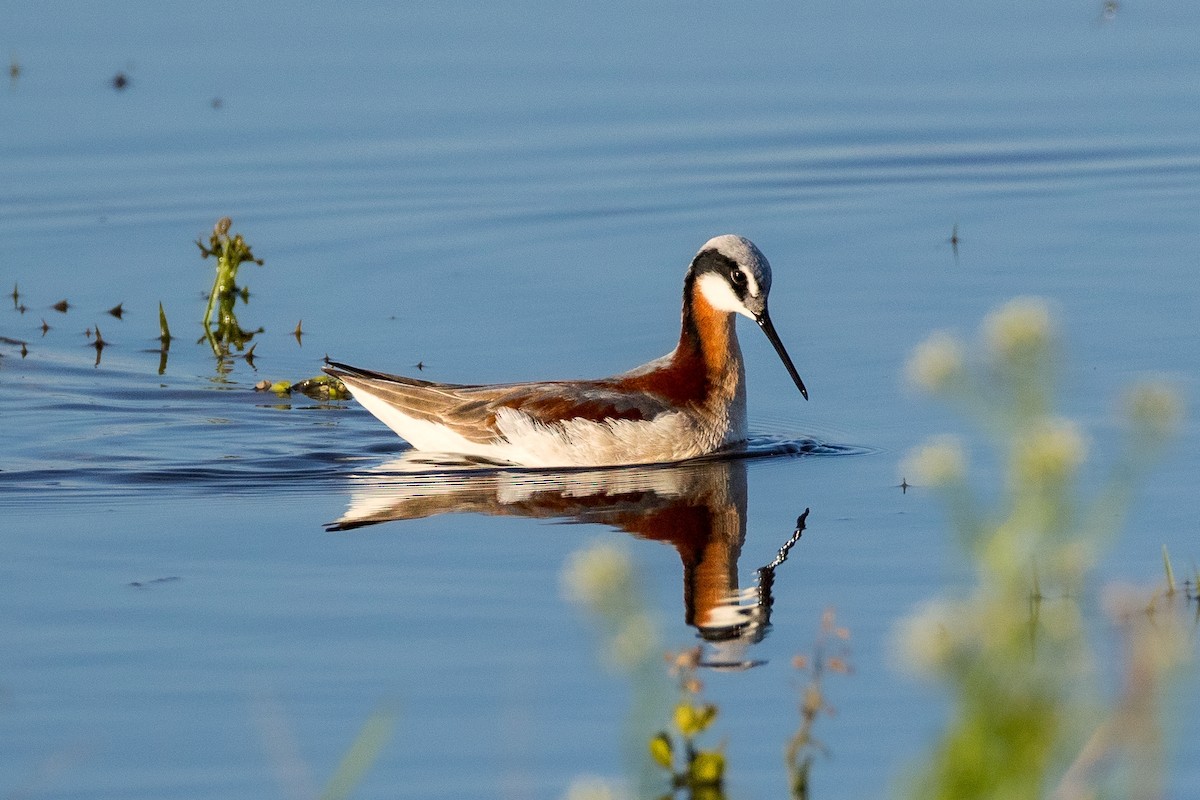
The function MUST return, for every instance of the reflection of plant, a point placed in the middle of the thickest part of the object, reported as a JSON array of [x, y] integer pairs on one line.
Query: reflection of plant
[[230, 254], [1013, 653], [830, 653], [700, 772]]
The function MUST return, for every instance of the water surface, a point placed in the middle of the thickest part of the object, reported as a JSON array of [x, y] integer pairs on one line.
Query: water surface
[[509, 195]]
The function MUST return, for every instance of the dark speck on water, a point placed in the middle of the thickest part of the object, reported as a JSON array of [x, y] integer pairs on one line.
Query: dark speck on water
[[154, 582]]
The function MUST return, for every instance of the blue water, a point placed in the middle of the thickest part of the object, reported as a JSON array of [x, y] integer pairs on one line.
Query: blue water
[[508, 194]]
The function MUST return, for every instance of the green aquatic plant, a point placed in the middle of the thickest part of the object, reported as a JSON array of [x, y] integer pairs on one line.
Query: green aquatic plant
[[321, 387], [231, 253], [1013, 653], [164, 339], [164, 330]]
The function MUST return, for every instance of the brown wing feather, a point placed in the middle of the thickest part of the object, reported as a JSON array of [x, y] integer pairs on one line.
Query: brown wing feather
[[470, 410]]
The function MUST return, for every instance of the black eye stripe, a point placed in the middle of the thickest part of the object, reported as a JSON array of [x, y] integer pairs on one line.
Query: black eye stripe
[[720, 264]]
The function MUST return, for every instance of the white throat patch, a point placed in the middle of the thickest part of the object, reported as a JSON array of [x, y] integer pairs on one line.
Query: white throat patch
[[719, 294]]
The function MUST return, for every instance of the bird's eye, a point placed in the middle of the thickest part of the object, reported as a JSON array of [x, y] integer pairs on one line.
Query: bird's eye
[[737, 278]]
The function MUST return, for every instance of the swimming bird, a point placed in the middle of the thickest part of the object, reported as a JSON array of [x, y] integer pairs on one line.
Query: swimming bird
[[688, 403]]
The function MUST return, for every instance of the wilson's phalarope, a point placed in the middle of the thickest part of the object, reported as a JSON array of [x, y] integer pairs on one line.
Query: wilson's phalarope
[[688, 403]]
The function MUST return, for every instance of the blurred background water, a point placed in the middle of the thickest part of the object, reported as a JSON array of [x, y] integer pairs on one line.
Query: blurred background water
[[514, 192]]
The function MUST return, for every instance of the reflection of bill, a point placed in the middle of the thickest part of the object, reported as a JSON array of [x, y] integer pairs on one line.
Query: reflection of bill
[[699, 508]]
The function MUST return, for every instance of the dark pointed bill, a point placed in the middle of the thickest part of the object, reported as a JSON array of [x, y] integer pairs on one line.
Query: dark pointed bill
[[764, 322]]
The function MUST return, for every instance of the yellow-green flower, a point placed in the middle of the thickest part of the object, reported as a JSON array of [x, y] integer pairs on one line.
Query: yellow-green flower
[[939, 462], [937, 363], [590, 787], [662, 751], [1019, 330], [593, 575], [635, 641], [924, 640], [1154, 409], [707, 769], [1052, 453], [692, 720]]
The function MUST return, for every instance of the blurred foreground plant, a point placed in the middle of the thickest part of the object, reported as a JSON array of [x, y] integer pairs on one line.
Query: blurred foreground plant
[[230, 253], [1014, 653], [293, 773], [831, 653], [697, 771], [601, 580]]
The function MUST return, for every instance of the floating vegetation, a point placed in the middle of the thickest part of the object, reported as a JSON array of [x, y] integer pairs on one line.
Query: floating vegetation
[[230, 253], [23, 344], [222, 332], [164, 339], [1013, 653], [164, 336], [322, 387], [99, 344]]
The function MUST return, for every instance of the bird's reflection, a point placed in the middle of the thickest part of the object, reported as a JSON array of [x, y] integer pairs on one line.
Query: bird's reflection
[[699, 508]]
